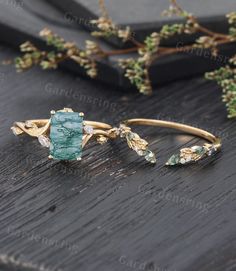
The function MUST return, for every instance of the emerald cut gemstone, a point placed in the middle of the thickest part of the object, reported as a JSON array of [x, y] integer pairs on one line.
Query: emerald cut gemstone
[[66, 135]]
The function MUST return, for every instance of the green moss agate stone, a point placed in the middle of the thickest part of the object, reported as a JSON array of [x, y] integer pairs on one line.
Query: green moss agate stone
[[66, 135]]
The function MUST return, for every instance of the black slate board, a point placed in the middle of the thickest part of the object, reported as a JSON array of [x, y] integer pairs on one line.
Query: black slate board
[[23, 22], [144, 16], [108, 206]]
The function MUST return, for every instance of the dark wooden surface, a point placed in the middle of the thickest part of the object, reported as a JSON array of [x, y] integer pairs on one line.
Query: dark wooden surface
[[107, 213]]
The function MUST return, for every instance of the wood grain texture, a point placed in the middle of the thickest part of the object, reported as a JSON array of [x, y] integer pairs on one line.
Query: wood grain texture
[[113, 211]]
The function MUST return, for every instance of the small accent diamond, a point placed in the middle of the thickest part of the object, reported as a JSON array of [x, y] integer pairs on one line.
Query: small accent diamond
[[141, 152], [44, 141], [212, 150], [88, 129], [14, 131], [182, 161], [188, 159]]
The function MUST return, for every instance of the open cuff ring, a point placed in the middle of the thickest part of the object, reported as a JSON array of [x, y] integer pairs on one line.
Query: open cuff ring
[[66, 133]]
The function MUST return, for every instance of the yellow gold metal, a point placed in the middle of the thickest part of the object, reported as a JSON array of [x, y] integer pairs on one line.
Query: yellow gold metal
[[102, 132], [39, 127], [186, 155], [178, 126]]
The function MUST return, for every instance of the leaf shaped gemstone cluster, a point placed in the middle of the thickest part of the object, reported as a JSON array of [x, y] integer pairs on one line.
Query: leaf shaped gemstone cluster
[[136, 143], [192, 154]]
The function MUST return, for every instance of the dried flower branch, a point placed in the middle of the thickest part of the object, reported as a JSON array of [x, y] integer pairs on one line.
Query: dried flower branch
[[226, 78], [136, 69], [31, 57], [106, 27], [63, 50], [232, 21]]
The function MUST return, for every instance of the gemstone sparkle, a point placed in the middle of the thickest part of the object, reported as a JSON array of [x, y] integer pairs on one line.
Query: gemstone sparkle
[[88, 129], [66, 135], [44, 141]]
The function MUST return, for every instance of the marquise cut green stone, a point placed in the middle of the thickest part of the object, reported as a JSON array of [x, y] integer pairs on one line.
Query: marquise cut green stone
[[174, 160], [199, 150], [66, 135], [150, 157]]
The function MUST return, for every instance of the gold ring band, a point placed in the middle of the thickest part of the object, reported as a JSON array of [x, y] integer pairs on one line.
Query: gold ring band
[[66, 133], [177, 126], [69, 135], [43, 123], [186, 155]]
